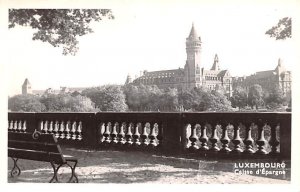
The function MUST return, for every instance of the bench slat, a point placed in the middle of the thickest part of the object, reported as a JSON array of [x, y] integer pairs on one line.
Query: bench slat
[[36, 155], [32, 145], [47, 138]]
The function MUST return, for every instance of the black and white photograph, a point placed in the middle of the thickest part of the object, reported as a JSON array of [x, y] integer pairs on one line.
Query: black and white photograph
[[150, 92]]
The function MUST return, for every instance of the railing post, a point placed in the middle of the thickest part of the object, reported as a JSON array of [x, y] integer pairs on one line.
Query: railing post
[[285, 136], [90, 132], [31, 123], [172, 132]]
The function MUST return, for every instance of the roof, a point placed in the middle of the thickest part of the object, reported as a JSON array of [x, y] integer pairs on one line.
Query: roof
[[26, 82], [218, 73], [264, 74], [193, 34], [163, 73]]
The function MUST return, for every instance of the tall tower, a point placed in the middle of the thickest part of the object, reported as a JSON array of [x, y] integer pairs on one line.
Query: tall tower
[[192, 66], [26, 87], [128, 80], [215, 66]]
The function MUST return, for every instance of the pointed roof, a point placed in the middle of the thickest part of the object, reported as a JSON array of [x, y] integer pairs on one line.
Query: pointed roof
[[26, 82], [280, 67], [128, 79], [216, 58], [216, 63], [193, 34]]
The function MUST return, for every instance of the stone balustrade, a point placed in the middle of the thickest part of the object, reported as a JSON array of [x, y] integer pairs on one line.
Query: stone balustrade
[[204, 134]]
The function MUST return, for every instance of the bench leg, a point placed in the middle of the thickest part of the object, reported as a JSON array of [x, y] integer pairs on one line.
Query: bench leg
[[73, 177], [16, 171], [73, 171], [55, 170]]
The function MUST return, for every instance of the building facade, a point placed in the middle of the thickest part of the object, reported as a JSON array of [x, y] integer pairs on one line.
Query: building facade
[[279, 77], [192, 75]]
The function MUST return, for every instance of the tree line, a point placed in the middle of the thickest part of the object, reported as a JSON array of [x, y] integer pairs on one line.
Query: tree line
[[151, 98]]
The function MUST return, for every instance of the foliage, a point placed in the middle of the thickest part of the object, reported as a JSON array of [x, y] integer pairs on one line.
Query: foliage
[[282, 30], [169, 100], [59, 27], [67, 103], [274, 98], [107, 97], [25, 103], [219, 102], [142, 97], [239, 97], [255, 96], [201, 99]]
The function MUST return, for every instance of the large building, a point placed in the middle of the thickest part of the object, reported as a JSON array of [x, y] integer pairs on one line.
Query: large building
[[192, 75], [279, 77]]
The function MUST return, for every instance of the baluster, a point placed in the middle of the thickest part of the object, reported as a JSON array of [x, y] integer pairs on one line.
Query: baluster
[[248, 140], [50, 130], [11, 125], [106, 133], [16, 126], [56, 130], [237, 139], [193, 138], [160, 135], [73, 130], [144, 135], [261, 142], [19, 129], [203, 138], [62, 130], [129, 135], [46, 127], [136, 135], [79, 131], [42, 126], [24, 127], [152, 135], [114, 133], [225, 139], [273, 140], [214, 139], [67, 130], [121, 134]]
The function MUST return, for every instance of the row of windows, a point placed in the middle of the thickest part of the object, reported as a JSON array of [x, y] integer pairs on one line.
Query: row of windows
[[160, 74], [160, 80], [212, 78]]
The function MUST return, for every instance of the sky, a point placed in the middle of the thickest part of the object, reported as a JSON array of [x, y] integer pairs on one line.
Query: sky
[[151, 36]]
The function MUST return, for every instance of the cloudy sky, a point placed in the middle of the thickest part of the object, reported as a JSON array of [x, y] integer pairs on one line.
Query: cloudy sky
[[151, 36]]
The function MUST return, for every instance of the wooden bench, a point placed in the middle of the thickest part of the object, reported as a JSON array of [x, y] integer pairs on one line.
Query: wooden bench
[[39, 147]]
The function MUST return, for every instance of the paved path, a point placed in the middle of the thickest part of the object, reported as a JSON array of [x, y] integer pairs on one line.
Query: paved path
[[134, 167]]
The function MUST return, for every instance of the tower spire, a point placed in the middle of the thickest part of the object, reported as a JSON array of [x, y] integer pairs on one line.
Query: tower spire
[[216, 63], [128, 79], [26, 87], [193, 33]]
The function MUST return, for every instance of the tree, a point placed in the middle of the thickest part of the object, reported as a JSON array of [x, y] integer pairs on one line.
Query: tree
[[275, 98], [255, 96], [282, 30], [25, 103], [169, 100], [201, 99], [59, 27], [107, 97], [67, 103], [186, 99], [219, 102], [239, 97], [143, 97]]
